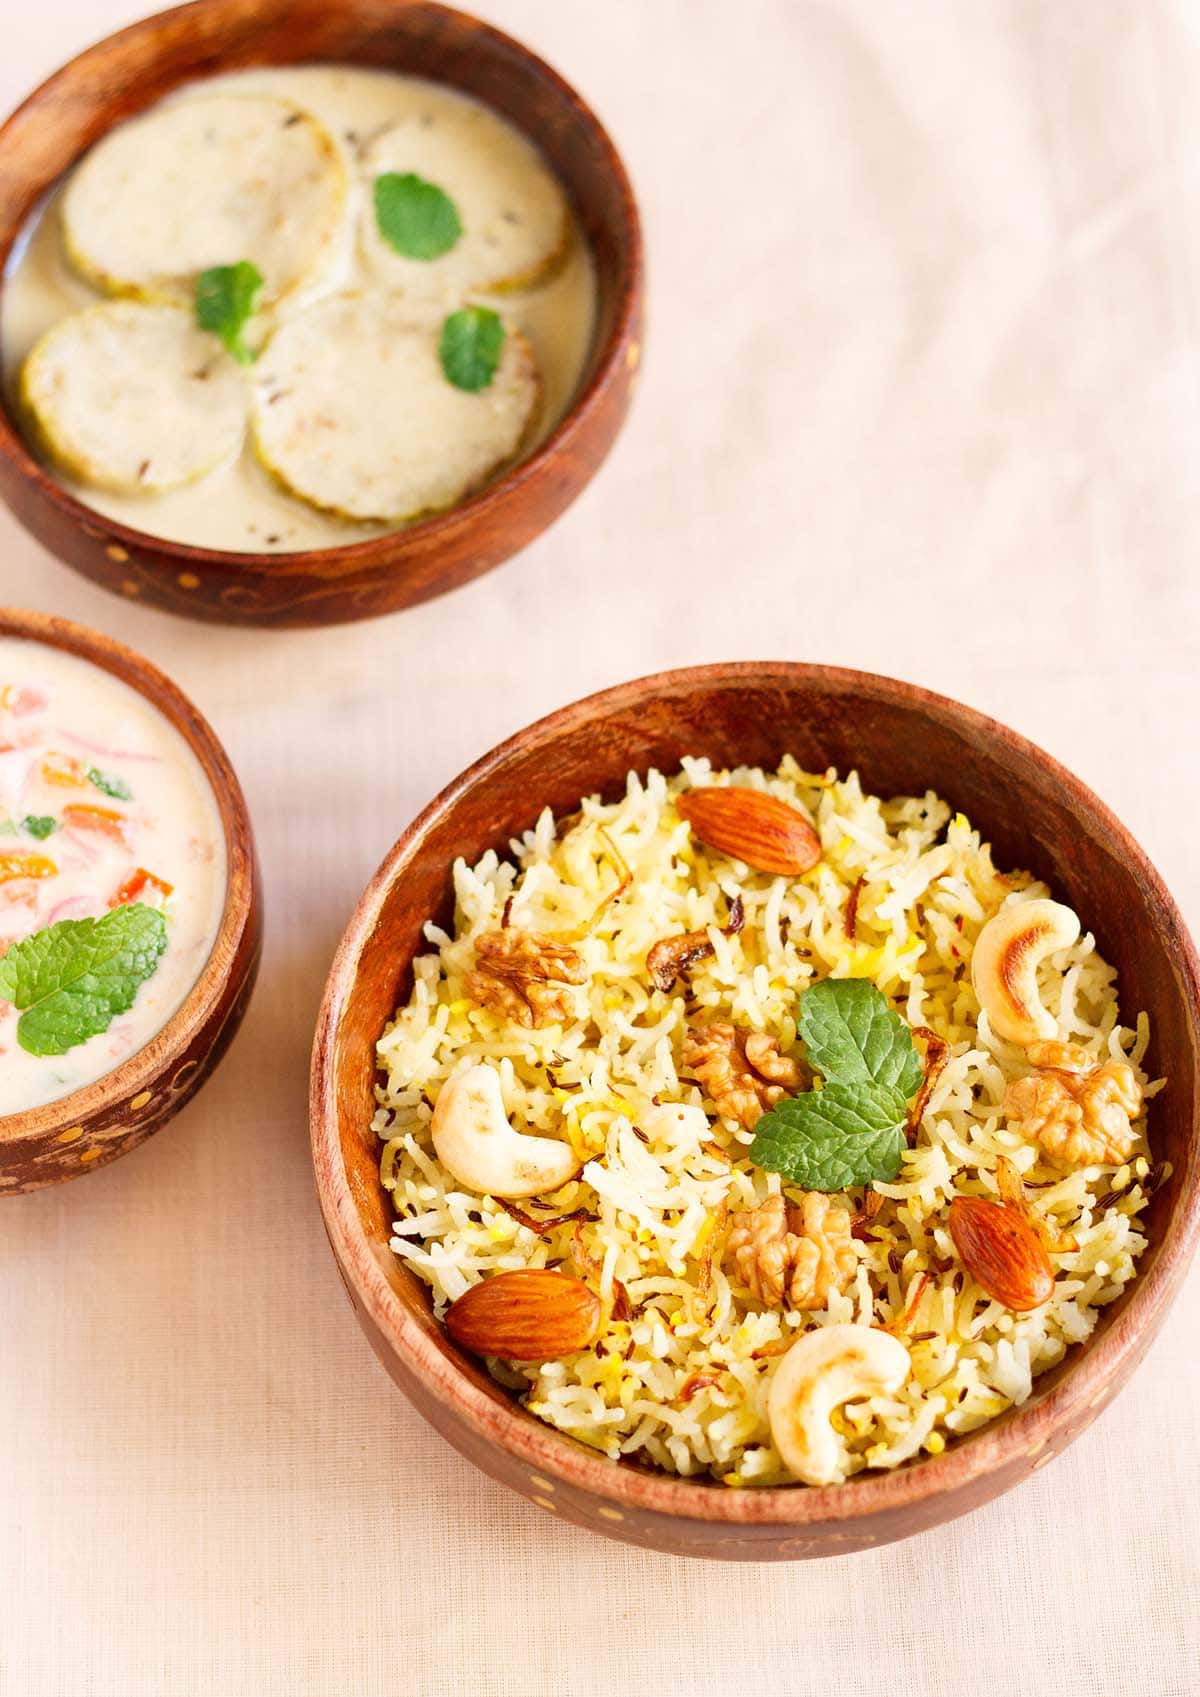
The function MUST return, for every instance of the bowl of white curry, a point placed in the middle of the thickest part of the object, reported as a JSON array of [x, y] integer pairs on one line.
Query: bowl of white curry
[[130, 917], [308, 313]]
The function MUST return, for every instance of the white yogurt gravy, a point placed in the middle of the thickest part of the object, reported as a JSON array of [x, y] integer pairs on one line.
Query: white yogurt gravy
[[63, 724], [239, 506]]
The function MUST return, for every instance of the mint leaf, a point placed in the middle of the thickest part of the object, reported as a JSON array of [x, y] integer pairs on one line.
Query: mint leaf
[[39, 825], [470, 348], [71, 980], [225, 301], [852, 1131], [415, 217], [108, 785], [831, 1139], [854, 1036]]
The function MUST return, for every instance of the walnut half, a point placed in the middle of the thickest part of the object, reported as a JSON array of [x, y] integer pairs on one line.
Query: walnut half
[[793, 1256], [1079, 1111], [741, 1072], [524, 976]]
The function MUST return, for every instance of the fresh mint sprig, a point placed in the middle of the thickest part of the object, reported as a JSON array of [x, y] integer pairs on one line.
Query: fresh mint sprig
[[854, 1036], [471, 343], [852, 1131], [226, 296], [830, 1139], [415, 217], [71, 980]]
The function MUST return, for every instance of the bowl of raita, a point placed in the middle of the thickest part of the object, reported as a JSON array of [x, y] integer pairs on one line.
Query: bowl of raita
[[130, 914]]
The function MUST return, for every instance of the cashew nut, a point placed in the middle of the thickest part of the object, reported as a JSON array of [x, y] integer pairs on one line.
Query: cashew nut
[[1004, 966], [823, 1369], [473, 1138]]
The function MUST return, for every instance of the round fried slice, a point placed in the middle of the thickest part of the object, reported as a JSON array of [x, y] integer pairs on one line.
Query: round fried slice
[[353, 413], [134, 398], [202, 182], [514, 214]]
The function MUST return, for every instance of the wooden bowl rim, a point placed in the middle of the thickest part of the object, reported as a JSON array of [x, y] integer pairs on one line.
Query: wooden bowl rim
[[1030, 1428], [144, 1068], [477, 509]]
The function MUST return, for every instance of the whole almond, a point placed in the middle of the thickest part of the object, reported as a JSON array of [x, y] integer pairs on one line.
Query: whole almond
[[527, 1315], [1002, 1252], [752, 826]]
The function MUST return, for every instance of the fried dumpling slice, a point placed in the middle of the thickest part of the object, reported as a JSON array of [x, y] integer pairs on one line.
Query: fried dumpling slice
[[134, 398], [202, 182], [515, 219], [353, 412]]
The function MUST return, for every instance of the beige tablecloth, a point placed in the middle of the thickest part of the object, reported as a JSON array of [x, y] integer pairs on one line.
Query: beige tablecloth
[[921, 395]]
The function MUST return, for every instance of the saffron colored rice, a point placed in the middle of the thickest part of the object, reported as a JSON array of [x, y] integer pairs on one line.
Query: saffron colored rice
[[683, 1382]]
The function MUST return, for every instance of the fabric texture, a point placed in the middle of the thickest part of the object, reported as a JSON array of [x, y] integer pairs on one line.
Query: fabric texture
[[921, 396]]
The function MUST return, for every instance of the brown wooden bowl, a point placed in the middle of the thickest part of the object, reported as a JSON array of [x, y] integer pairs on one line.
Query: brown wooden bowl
[[901, 740], [92, 1126], [128, 72]]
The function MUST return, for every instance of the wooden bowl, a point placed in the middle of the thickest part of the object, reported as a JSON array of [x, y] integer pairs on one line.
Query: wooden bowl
[[131, 70], [94, 1125], [901, 740]]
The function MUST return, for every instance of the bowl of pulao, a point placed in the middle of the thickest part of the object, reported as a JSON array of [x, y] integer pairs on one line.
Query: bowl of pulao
[[130, 911], [754, 1110], [308, 312]]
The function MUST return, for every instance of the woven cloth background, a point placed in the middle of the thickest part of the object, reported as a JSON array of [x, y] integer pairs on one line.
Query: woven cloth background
[[921, 394]]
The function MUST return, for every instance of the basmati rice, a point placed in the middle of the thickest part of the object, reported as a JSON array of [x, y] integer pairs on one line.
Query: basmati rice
[[682, 1380]]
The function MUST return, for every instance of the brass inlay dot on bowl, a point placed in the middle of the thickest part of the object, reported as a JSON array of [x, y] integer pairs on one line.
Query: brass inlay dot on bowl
[[130, 588], [544, 1502], [610, 1514], [633, 355], [72, 1135], [188, 580], [542, 1484], [117, 553], [142, 1097], [91, 1154], [184, 1075]]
